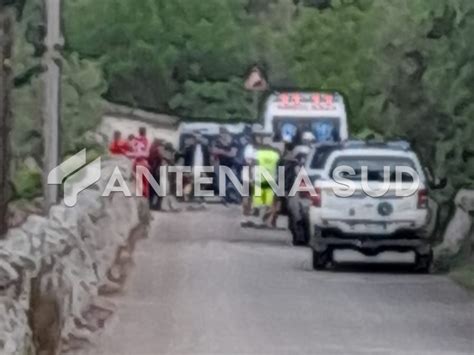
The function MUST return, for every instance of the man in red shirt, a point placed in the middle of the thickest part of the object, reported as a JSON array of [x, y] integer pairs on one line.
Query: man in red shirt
[[118, 146], [140, 145]]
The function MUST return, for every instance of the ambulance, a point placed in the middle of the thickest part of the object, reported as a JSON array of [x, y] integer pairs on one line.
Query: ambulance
[[288, 115]]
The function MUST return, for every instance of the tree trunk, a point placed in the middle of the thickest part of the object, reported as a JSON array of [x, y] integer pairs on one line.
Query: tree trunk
[[6, 43]]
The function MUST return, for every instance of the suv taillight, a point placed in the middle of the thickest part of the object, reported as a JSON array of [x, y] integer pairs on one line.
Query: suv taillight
[[423, 199], [316, 199]]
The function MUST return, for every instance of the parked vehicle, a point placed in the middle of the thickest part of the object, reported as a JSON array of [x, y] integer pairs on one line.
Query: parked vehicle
[[298, 205], [209, 130], [395, 218], [290, 114], [209, 133]]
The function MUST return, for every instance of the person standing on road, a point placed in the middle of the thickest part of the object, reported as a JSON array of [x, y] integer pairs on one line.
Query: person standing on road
[[243, 143], [155, 161], [267, 159], [140, 144], [169, 156], [225, 150], [287, 163], [302, 150], [130, 144], [118, 146], [140, 152], [249, 161]]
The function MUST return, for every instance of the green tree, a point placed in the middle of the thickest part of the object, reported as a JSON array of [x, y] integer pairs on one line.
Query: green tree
[[83, 85], [422, 80], [157, 52], [272, 46], [448, 87], [82, 106], [331, 50]]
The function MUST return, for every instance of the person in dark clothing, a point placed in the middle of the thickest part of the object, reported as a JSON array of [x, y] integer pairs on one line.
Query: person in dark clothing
[[290, 164], [243, 143], [155, 161], [169, 156], [225, 150]]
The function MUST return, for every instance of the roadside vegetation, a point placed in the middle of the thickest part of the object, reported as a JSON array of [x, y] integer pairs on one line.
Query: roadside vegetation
[[405, 67], [464, 274], [83, 84]]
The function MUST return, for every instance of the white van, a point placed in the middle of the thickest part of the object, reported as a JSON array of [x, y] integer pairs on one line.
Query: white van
[[290, 114], [207, 129]]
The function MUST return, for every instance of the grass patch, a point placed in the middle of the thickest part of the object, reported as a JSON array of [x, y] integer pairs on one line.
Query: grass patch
[[464, 275]]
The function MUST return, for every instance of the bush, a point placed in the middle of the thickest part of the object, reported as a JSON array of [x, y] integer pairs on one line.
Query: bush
[[27, 184], [464, 274]]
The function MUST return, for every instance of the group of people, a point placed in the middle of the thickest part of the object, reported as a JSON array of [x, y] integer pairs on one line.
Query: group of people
[[251, 148], [263, 205], [148, 156]]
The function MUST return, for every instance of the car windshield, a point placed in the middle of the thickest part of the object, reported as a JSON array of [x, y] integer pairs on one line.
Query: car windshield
[[353, 168], [324, 129]]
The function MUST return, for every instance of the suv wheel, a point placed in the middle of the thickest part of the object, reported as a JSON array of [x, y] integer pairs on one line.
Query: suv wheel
[[290, 223], [423, 262], [321, 259]]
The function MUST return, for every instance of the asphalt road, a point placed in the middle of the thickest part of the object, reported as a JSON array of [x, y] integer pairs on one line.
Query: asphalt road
[[202, 285]]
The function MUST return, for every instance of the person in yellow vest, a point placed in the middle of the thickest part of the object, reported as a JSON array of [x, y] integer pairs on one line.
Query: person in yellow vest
[[267, 160]]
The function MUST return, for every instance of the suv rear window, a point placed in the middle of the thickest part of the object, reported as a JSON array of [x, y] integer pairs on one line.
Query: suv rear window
[[375, 167], [320, 156]]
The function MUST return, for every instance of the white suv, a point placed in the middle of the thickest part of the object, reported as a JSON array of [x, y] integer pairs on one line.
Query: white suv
[[370, 198]]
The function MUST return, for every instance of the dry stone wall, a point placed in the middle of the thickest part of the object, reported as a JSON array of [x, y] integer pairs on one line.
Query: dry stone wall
[[55, 271], [458, 234]]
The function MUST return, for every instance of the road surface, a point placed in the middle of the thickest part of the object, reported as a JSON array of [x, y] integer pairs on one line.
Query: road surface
[[202, 285]]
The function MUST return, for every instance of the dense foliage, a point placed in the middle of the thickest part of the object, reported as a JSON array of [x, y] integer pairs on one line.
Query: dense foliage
[[81, 103]]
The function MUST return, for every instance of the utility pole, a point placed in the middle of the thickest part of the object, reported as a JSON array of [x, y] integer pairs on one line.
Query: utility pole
[[51, 97], [7, 21]]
